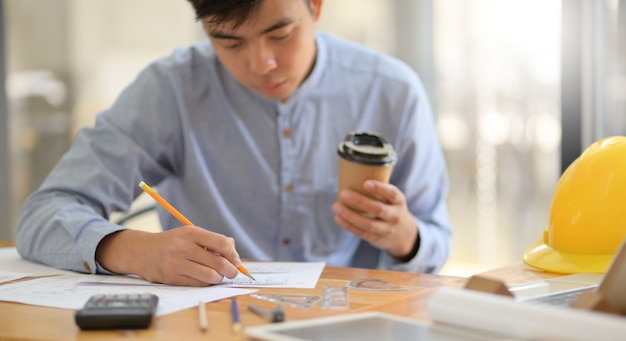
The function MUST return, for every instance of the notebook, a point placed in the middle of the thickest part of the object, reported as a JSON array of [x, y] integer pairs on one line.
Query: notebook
[[562, 291]]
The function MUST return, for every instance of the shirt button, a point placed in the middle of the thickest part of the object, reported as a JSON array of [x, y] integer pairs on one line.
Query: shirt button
[[287, 132], [289, 188], [286, 241], [87, 267]]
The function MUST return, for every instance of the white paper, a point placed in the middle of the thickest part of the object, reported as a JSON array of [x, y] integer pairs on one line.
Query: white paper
[[11, 261], [503, 315], [71, 291], [11, 276], [278, 275], [267, 275]]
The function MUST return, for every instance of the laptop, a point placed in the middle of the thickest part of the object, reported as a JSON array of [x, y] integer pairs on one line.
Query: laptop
[[562, 291]]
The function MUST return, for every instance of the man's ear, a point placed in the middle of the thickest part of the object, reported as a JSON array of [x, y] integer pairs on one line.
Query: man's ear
[[316, 9]]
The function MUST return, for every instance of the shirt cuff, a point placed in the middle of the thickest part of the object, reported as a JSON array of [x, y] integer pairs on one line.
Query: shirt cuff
[[93, 237], [422, 262]]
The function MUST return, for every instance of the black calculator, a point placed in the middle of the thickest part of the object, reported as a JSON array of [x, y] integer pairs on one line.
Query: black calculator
[[117, 311]]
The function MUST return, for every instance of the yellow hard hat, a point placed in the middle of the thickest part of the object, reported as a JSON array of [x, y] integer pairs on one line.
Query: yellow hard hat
[[588, 213]]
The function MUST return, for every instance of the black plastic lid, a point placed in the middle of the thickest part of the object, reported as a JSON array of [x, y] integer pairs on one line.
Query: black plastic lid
[[369, 149]]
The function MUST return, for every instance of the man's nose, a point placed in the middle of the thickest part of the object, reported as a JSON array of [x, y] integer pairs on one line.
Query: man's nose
[[262, 59]]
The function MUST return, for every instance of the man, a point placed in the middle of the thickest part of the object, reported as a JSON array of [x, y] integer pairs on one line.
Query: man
[[240, 134]]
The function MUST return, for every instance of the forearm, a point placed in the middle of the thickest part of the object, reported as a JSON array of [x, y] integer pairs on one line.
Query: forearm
[[58, 230]]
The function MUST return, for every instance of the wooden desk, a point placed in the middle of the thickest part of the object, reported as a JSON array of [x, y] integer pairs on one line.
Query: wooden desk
[[519, 273], [19, 321]]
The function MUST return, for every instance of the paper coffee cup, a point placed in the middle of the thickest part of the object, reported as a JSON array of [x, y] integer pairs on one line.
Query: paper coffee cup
[[364, 156]]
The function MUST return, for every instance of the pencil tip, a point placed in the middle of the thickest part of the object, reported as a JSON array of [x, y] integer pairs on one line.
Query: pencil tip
[[247, 273]]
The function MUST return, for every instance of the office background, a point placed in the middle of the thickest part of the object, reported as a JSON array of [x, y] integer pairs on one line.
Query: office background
[[519, 89]]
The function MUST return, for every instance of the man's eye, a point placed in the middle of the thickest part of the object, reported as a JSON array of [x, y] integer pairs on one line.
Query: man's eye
[[231, 43], [280, 37], [282, 33]]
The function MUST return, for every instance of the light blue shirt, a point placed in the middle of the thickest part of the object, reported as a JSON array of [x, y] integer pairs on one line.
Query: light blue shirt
[[261, 171]]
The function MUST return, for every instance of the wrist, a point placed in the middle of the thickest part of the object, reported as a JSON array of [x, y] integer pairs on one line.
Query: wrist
[[415, 246], [114, 252]]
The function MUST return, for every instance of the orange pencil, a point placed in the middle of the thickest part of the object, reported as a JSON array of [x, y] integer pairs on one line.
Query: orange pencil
[[165, 204], [180, 217]]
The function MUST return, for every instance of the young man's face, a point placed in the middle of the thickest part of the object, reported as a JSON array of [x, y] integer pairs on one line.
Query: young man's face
[[274, 50]]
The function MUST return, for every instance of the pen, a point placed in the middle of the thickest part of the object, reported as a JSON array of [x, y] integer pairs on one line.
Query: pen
[[180, 217], [276, 315], [202, 319], [235, 312]]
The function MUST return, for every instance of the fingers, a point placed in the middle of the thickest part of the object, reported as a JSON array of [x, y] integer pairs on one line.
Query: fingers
[[361, 215], [359, 225], [388, 193], [205, 262], [218, 252], [380, 221], [190, 256], [386, 207], [184, 272], [224, 247]]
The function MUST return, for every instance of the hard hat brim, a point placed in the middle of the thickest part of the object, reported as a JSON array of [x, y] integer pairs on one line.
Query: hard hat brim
[[544, 257]]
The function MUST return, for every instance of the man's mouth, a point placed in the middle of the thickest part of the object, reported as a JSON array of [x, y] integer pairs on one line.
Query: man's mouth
[[273, 86]]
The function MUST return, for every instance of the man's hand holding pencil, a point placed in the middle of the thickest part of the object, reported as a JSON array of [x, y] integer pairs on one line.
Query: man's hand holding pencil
[[189, 255]]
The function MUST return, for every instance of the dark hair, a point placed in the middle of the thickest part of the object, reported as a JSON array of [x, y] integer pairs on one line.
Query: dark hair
[[221, 11]]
